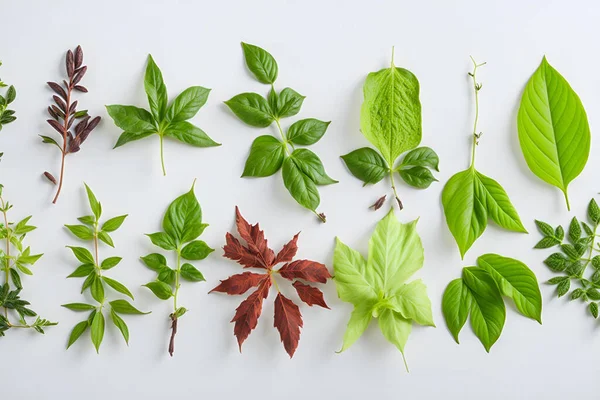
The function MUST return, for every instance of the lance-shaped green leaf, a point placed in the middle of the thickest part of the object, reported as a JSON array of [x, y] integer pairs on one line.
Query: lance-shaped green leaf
[[553, 128], [261, 63]]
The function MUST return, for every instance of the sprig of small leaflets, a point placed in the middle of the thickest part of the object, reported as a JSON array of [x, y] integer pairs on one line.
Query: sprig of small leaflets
[[302, 170], [94, 270], [6, 116], [377, 286], [479, 294], [577, 251], [471, 198], [390, 118], [16, 259], [182, 225], [163, 119]]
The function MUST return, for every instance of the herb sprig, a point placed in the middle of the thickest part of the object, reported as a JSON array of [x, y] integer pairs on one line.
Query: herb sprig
[[7, 116], [302, 170], [93, 270], [64, 114], [16, 259], [578, 250]]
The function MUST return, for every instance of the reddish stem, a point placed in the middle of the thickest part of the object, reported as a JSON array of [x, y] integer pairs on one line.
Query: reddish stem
[[173, 333], [64, 134]]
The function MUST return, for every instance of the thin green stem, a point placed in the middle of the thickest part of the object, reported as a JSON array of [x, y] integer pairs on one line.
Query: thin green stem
[[394, 189], [162, 156], [7, 255], [284, 140], [476, 88], [177, 284]]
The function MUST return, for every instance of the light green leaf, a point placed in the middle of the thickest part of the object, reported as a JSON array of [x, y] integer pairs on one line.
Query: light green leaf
[[307, 131], [155, 261], [261, 63], [49, 140], [119, 323], [97, 289], [411, 301], [155, 89], [81, 231], [354, 282], [98, 330], [124, 307], [516, 281], [187, 104], [82, 254], [310, 165], [252, 109], [95, 205], [113, 224], [196, 250], [105, 237], [160, 289], [498, 205], [187, 133], [359, 321], [82, 270], [77, 331], [183, 219], [553, 128], [456, 305], [266, 156], [301, 187], [190, 273], [79, 306], [118, 286], [390, 116], [395, 329], [367, 165]]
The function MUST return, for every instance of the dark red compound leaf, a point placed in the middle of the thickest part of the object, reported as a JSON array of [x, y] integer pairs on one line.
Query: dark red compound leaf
[[307, 270], [310, 295], [247, 314], [235, 251], [255, 238], [288, 322], [240, 283], [288, 252]]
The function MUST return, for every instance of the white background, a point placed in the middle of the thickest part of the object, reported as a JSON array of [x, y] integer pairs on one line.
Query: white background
[[324, 51]]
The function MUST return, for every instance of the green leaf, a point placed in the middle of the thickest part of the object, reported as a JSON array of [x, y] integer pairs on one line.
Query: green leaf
[[190, 273], [559, 233], [162, 240], [412, 303], [390, 116], [261, 63], [77, 331], [252, 109], [556, 262], [395, 328], [167, 275], [88, 220], [469, 198], [421, 157], [456, 306], [359, 321], [82, 254], [82, 270], [11, 94], [97, 290], [127, 137], [98, 330], [301, 187], [187, 133], [95, 205], [487, 308], [114, 223], [574, 230], [563, 287], [155, 89], [594, 309], [419, 177], [183, 219], [79, 306], [354, 282], [105, 237], [133, 120], [88, 281], [118, 286], [110, 262], [155, 261], [196, 250], [81, 231], [546, 243], [160, 289], [124, 307], [517, 281], [119, 323], [289, 103], [545, 228], [310, 165], [367, 165], [49, 140], [266, 156], [16, 279], [307, 131], [187, 104], [594, 211], [553, 128]]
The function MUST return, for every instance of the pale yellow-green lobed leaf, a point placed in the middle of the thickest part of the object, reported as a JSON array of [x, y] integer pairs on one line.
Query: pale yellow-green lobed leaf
[[359, 321], [395, 329], [353, 282], [411, 301]]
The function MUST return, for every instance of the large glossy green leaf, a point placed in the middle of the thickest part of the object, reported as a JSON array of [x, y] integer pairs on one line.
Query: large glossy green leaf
[[367, 165], [553, 128], [302, 188], [187, 104], [516, 281], [261, 63], [155, 89], [310, 164], [183, 219], [390, 116], [266, 156]]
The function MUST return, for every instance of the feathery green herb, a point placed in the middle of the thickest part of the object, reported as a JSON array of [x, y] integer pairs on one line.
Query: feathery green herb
[[302, 170], [163, 119], [6, 116], [182, 225], [577, 251], [390, 118], [94, 270], [16, 259]]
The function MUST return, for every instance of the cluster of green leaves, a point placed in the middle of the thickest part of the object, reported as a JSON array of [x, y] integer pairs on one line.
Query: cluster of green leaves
[[554, 132], [182, 225], [302, 170], [390, 118], [577, 251], [16, 259], [471, 198], [479, 294], [376, 286], [163, 119], [7, 116], [93, 270]]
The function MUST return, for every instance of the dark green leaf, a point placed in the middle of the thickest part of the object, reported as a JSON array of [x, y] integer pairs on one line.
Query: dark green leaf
[[252, 109], [196, 250], [367, 165], [307, 131], [557, 279], [593, 294], [266, 156], [261, 63], [160, 289], [132, 119], [77, 332], [119, 323], [155, 89], [310, 165], [577, 293], [419, 177], [82, 270], [421, 157], [187, 133], [544, 228], [546, 243], [162, 240], [594, 309], [79, 306], [559, 233], [167, 275], [187, 104], [587, 229], [301, 187], [11, 94], [289, 103], [574, 230], [594, 211], [110, 262], [571, 251], [48, 139], [190, 273], [114, 223], [155, 261], [88, 281], [563, 287], [97, 290], [16, 279], [596, 262], [98, 330], [183, 219], [127, 137]]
